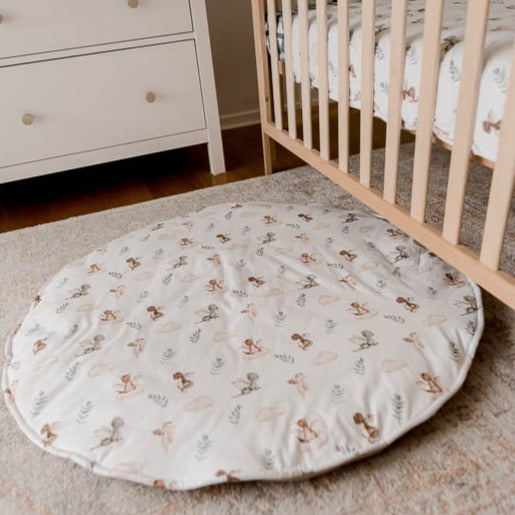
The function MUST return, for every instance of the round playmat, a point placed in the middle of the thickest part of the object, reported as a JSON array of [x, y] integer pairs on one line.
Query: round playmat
[[243, 341]]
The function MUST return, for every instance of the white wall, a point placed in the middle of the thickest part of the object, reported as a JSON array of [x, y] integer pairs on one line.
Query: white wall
[[230, 27]]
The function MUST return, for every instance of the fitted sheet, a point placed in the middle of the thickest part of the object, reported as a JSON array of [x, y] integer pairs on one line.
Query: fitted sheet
[[494, 79]]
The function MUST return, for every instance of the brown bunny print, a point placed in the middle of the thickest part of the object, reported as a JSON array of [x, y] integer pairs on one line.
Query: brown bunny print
[[128, 384], [307, 258], [213, 286], [429, 383], [307, 433], [303, 342], [133, 263], [109, 315], [155, 313], [48, 433], [223, 238], [229, 476], [251, 348], [408, 303], [186, 242], [372, 432], [183, 383], [299, 381], [358, 309], [453, 280], [349, 255], [38, 346], [257, 281]]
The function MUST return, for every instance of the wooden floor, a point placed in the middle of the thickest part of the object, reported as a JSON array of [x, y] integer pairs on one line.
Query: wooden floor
[[86, 190], [61, 195]]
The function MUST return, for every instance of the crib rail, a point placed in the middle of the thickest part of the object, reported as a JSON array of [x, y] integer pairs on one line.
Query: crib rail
[[281, 93]]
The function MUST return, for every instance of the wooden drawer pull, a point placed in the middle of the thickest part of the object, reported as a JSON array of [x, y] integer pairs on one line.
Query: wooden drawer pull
[[150, 97], [27, 119], [1, 18], [133, 3]]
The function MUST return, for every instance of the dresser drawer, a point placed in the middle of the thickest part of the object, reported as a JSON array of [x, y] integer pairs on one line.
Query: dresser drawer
[[83, 103], [30, 26]]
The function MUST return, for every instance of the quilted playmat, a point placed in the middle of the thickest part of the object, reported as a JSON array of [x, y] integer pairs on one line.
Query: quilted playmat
[[241, 342]]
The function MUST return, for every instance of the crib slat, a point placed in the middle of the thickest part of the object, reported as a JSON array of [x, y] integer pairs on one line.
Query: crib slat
[[263, 78], [288, 58], [343, 85], [396, 82], [274, 58], [426, 111], [305, 81], [503, 181], [477, 13], [367, 90], [323, 81]]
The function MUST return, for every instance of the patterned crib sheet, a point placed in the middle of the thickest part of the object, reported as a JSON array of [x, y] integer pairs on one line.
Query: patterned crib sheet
[[494, 80]]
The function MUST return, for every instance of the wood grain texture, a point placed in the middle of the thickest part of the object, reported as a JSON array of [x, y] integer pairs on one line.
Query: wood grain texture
[[367, 89], [290, 80], [305, 82], [428, 89], [323, 77], [477, 16], [343, 85], [503, 181], [274, 64], [263, 78], [395, 94]]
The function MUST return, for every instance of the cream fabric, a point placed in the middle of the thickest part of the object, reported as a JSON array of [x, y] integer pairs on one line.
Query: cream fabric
[[244, 341], [494, 79]]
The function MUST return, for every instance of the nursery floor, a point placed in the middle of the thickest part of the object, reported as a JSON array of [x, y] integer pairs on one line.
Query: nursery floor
[[460, 461]]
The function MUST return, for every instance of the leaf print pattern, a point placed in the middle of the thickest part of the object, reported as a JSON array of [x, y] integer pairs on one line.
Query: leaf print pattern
[[268, 459], [84, 412], [160, 400], [38, 403], [167, 355], [71, 372], [359, 367], [398, 405], [203, 446], [217, 365], [195, 337], [235, 414], [252, 343]]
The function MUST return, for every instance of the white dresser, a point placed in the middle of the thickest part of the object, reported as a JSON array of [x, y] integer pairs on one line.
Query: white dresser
[[89, 82]]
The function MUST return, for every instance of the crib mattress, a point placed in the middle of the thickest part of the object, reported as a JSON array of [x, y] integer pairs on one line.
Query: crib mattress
[[494, 79], [244, 341]]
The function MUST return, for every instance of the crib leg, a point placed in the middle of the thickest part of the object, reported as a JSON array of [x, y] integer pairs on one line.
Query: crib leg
[[263, 76], [269, 150]]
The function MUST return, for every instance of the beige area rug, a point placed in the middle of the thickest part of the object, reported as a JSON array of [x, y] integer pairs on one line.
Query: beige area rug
[[460, 461]]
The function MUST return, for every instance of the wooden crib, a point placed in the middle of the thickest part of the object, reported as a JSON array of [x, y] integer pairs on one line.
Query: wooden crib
[[278, 111]]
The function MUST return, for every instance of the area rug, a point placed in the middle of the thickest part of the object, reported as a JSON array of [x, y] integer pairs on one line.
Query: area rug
[[460, 461]]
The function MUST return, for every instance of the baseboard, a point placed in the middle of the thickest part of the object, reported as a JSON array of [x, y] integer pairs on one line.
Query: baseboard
[[239, 119]]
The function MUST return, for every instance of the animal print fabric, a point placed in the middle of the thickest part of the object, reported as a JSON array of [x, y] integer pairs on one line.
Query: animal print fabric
[[494, 79], [243, 341]]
